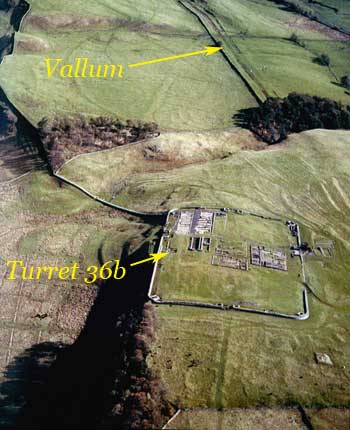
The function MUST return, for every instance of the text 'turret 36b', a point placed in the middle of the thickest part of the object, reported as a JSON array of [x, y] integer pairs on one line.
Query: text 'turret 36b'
[[30, 273]]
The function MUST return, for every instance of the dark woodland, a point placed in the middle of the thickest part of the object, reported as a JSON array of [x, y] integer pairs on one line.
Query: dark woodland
[[63, 138], [276, 118]]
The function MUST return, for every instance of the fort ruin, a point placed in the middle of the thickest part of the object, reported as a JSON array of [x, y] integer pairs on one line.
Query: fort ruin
[[221, 257]]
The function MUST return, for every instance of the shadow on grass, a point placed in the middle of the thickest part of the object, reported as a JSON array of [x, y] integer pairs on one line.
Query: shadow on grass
[[338, 84], [282, 5], [243, 117], [69, 386], [25, 378]]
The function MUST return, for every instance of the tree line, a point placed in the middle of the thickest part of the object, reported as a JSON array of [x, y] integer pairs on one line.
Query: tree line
[[65, 137], [145, 406], [278, 117]]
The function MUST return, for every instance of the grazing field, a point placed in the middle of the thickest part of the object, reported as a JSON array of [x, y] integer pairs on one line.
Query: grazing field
[[46, 224], [334, 13], [256, 39], [56, 221], [309, 167], [108, 173], [263, 419], [195, 93], [205, 358], [225, 359]]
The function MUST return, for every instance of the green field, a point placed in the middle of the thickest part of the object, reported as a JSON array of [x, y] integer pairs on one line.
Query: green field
[[108, 173], [304, 179], [167, 93], [205, 358], [246, 361], [263, 419], [62, 223], [243, 359], [255, 37], [331, 12], [50, 225]]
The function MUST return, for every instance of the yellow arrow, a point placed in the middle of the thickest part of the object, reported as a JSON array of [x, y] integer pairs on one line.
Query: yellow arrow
[[209, 50], [154, 258]]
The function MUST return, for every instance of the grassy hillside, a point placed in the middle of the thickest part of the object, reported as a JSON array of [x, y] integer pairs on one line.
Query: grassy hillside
[[49, 225], [255, 37], [196, 93], [236, 363], [264, 419], [108, 172], [218, 359], [205, 358], [334, 13], [306, 179]]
